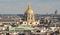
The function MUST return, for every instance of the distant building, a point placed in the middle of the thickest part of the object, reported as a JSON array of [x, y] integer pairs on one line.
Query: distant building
[[29, 18], [56, 12]]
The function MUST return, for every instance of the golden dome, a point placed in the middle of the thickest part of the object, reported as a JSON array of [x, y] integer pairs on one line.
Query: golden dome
[[29, 10]]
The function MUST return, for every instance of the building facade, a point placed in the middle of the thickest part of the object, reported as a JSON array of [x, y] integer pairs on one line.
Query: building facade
[[29, 18]]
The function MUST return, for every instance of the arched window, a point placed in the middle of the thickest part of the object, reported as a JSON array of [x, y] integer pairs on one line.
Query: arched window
[[24, 23], [31, 23], [38, 31], [21, 22], [36, 22]]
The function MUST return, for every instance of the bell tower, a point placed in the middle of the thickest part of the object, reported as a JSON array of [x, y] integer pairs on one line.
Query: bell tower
[[29, 14]]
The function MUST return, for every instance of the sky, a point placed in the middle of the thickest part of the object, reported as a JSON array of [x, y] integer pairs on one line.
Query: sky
[[38, 6]]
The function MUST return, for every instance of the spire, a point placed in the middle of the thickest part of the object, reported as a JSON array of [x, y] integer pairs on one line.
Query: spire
[[29, 7], [56, 12], [29, 10]]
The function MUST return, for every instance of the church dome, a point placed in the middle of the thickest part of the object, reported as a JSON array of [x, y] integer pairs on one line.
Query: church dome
[[29, 10]]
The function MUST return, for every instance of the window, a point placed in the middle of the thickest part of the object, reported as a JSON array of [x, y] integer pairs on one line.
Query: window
[[25, 23], [21, 34], [38, 31], [30, 23], [36, 23], [21, 22]]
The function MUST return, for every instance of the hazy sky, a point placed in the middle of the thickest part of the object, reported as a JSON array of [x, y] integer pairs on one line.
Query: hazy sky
[[20, 6]]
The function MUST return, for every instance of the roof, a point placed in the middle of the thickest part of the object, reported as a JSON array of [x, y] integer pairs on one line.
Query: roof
[[21, 28]]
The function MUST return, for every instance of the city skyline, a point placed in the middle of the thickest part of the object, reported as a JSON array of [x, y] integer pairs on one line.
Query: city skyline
[[20, 6]]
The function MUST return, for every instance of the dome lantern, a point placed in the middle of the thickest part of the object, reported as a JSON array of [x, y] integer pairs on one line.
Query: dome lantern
[[29, 10]]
